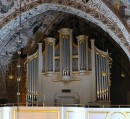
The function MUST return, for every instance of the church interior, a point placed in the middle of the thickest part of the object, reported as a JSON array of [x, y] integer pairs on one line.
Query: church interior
[[65, 53]]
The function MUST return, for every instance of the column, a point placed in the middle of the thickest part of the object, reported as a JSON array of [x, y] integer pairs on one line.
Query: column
[[93, 71], [40, 61]]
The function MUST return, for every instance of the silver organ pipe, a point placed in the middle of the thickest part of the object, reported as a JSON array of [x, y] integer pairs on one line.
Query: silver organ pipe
[[65, 56], [32, 69], [57, 58], [43, 69], [81, 43], [49, 47], [97, 75], [102, 75], [98, 67], [31, 79], [75, 57], [82, 52], [36, 76], [105, 77], [65, 53], [28, 76]]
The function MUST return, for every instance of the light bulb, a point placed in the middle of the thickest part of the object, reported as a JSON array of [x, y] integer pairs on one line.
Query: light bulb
[[10, 77], [103, 73]]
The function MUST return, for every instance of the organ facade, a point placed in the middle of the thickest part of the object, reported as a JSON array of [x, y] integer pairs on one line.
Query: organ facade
[[68, 71]]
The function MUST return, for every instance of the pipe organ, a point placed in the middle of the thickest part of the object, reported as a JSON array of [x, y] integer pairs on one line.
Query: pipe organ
[[102, 74], [69, 62], [32, 69]]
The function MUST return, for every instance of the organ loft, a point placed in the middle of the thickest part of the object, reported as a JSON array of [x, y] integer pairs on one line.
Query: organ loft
[[68, 71]]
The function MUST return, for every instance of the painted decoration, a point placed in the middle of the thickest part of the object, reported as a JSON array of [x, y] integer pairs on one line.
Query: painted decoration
[[6, 5]]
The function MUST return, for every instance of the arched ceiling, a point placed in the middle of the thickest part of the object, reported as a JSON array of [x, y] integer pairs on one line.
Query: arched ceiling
[[44, 14]]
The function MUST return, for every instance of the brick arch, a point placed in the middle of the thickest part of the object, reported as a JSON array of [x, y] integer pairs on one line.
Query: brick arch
[[117, 32]]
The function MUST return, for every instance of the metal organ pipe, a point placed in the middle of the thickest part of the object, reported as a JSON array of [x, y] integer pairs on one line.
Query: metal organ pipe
[[83, 52], [105, 77], [100, 79], [29, 89], [32, 69], [65, 57], [97, 77], [34, 78], [49, 47], [31, 79], [102, 75], [65, 53]]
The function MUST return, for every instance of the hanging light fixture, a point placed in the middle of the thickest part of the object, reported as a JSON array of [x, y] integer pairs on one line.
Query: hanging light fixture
[[18, 64], [10, 74], [122, 69], [122, 75]]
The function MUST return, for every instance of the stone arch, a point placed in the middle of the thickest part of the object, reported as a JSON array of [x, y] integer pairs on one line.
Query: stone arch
[[92, 11]]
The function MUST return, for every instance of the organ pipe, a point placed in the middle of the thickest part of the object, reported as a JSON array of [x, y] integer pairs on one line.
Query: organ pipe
[[93, 70], [83, 53], [40, 64], [102, 75], [65, 53], [49, 55]]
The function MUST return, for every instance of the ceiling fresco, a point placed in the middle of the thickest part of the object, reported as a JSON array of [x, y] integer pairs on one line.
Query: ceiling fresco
[[33, 11], [123, 7], [6, 5], [40, 23]]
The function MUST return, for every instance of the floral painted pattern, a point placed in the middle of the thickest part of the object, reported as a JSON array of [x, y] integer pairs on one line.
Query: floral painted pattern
[[123, 6], [6, 5]]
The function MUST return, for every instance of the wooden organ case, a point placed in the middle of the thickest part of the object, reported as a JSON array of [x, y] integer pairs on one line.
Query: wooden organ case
[[78, 67]]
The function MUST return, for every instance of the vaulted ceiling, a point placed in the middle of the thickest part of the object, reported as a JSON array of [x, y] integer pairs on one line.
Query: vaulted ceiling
[[43, 15]]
